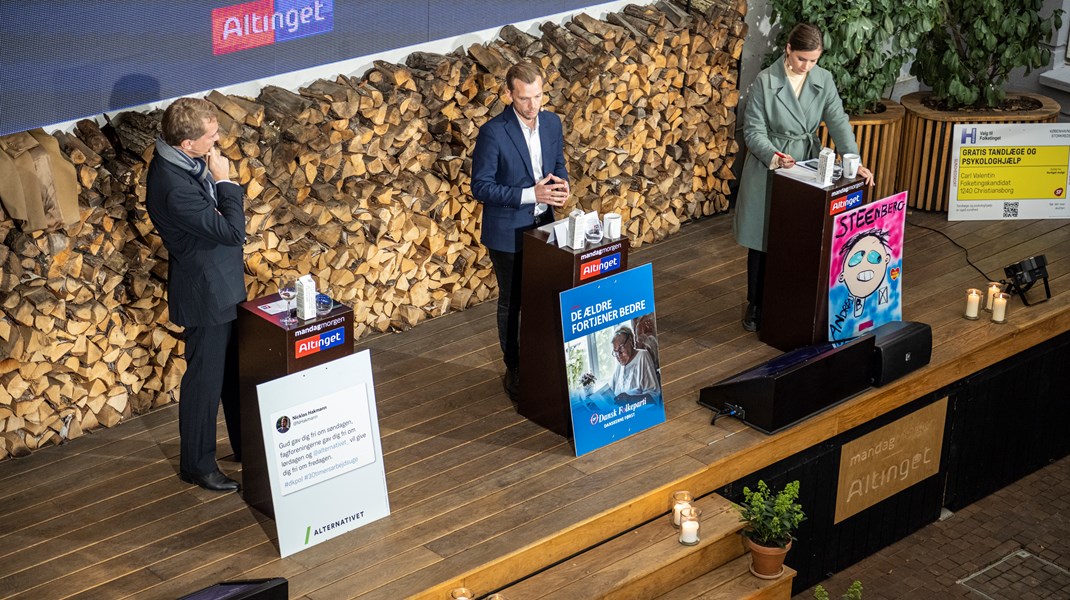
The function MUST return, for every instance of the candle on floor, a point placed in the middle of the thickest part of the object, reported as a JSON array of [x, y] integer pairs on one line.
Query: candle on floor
[[993, 289], [461, 594], [973, 303], [689, 526], [999, 308], [678, 502]]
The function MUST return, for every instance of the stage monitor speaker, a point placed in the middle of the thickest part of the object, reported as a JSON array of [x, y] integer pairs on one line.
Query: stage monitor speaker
[[795, 385], [900, 347], [276, 588]]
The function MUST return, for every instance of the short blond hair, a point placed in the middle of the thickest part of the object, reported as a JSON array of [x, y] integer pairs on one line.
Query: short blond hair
[[185, 119]]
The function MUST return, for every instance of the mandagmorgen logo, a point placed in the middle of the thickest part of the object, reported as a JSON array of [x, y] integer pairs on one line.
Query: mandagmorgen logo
[[264, 22]]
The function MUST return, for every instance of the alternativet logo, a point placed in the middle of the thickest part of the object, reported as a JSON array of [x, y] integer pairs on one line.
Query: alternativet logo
[[264, 22]]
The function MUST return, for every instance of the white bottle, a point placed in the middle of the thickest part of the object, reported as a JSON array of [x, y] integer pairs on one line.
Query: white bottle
[[575, 228], [826, 161], [306, 297]]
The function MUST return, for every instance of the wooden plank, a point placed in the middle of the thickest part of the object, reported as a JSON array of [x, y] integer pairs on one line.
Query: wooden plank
[[480, 495], [734, 581], [646, 558]]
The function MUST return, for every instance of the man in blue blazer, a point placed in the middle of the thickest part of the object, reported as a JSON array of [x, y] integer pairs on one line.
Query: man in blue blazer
[[200, 215], [519, 175]]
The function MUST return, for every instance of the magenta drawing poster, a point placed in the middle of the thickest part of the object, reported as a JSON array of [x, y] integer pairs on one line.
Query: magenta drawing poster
[[866, 267]]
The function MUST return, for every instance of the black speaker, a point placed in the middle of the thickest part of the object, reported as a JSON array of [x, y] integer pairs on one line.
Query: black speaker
[[795, 385], [900, 347], [276, 588]]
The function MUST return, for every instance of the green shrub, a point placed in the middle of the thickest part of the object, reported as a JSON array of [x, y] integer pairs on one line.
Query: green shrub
[[854, 592], [770, 517], [967, 58], [867, 42]]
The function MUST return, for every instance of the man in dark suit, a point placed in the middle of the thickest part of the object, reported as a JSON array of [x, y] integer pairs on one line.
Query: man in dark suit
[[518, 173], [200, 215]]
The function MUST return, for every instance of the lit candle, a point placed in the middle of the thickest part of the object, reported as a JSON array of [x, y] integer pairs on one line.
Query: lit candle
[[676, 510], [993, 289], [973, 303], [689, 526], [461, 594], [999, 308], [679, 501], [689, 532]]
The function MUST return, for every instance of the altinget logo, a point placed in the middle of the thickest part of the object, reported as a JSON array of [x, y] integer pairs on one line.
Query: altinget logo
[[264, 22]]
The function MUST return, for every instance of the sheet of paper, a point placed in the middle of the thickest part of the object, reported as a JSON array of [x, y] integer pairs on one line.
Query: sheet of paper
[[561, 233], [274, 308]]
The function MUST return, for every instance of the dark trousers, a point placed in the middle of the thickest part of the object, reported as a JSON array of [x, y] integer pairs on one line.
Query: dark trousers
[[211, 375], [507, 268], [755, 276]]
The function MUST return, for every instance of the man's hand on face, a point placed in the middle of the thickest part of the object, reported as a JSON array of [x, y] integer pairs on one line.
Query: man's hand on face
[[218, 165]]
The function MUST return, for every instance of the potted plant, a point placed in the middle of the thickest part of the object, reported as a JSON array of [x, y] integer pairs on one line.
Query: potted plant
[[587, 380], [866, 46], [771, 518], [854, 592], [966, 60]]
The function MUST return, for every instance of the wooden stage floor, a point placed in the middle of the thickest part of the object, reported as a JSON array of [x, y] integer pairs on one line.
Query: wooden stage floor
[[480, 495]]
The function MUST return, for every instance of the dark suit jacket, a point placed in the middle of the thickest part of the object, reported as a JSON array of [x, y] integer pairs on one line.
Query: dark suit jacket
[[501, 169], [204, 242]]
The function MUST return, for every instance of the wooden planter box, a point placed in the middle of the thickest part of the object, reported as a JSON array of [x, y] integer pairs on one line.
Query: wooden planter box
[[878, 144], [925, 154]]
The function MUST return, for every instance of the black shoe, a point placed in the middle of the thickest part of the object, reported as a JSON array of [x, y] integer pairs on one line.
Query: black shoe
[[511, 384], [215, 481], [752, 319]]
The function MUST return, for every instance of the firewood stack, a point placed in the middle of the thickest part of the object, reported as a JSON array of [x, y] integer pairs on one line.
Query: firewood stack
[[364, 183]]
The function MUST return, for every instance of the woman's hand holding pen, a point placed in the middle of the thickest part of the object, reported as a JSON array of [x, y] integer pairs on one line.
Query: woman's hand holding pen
[[785, 161]]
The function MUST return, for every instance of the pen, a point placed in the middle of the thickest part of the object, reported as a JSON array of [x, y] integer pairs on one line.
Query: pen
[[780, 154]]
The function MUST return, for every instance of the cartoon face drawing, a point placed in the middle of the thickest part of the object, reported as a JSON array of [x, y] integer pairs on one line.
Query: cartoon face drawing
[[865, 264]]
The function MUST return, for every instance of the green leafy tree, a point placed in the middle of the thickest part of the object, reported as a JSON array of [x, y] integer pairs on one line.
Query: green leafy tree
[[770, 517], [967, 58], [867, 42]]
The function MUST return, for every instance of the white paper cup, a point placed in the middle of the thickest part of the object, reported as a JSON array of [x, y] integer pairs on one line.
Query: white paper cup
[[851, 163], [611, 225]]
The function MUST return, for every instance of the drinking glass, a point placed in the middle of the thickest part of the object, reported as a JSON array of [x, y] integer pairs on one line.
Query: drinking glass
[[690, 524], [288, 291], [593, 235], [324, 303]]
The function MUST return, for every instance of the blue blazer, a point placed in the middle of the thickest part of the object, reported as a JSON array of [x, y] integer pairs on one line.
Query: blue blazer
[[206, 265], [501, 169]]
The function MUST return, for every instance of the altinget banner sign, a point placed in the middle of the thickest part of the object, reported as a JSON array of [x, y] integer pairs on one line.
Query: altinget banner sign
[[254, 24]]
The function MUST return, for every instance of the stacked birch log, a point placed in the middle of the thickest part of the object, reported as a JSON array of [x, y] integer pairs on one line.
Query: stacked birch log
[[364, 183]]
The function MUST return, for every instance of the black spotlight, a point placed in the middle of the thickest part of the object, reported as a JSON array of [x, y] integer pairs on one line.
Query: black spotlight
[[1024, 273]]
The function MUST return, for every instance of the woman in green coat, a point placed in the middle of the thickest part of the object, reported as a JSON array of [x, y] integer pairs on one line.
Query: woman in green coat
[[785, 105]]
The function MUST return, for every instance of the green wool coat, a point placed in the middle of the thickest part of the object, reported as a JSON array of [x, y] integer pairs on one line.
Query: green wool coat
[[775, 120]]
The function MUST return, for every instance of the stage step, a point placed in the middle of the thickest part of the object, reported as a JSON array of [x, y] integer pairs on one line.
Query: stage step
[[648, 563], [733, 581]]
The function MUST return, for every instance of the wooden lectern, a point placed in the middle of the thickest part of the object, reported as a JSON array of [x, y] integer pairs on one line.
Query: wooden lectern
[[267, 351], [548, 271], [799, 236]]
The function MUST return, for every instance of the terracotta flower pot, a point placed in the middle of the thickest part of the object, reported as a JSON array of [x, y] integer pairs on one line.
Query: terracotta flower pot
[[766, 562]]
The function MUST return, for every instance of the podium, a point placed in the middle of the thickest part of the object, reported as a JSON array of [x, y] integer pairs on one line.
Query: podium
[[548, 271], [267, 350], [799, 238]]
